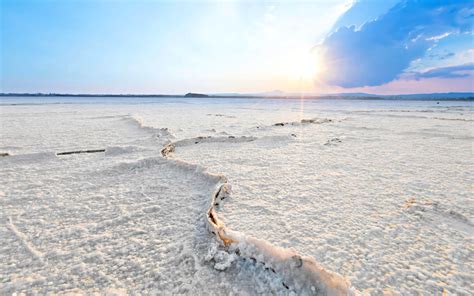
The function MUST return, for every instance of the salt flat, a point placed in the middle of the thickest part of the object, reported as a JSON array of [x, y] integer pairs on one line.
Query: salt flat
[[378, 192]]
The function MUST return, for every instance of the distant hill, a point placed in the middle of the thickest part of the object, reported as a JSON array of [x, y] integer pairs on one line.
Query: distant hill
[[195, 95], [359, 95], [434, 96], [273, 93]]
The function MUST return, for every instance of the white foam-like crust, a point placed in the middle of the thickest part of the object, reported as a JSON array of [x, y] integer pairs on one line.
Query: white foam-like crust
[[73, 226], [302, 275]]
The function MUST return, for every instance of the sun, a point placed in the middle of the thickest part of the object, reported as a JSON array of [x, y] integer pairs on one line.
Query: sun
[[305, 66]]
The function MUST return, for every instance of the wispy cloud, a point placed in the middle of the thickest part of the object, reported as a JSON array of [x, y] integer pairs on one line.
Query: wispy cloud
[[382, 49], [447, 72], [442, 56]]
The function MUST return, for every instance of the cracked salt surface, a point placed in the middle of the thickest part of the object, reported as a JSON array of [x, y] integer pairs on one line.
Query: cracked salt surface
[[387, 205]]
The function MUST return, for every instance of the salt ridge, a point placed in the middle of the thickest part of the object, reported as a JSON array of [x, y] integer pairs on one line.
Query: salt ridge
[[300, 274]]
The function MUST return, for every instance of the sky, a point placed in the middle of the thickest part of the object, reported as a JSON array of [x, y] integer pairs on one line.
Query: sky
[[175, 47]]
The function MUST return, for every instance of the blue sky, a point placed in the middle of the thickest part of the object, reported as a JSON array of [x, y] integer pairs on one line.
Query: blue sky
[[174, 47]]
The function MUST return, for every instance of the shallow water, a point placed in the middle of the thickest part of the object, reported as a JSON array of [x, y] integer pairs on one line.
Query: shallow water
[[379, 192]]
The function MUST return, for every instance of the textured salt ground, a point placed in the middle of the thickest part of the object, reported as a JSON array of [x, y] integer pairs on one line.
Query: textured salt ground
[[31, 130], [136, 226], [126, 220], [265, 221], [382, 202]]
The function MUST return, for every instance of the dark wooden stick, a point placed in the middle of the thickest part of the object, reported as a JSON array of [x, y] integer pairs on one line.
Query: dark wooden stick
[[81, 151]]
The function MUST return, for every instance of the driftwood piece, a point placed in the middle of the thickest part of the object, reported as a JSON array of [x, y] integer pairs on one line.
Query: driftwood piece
[[81, 151]]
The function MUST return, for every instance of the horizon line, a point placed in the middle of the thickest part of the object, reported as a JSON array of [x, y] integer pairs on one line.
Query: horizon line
[[232, 94]]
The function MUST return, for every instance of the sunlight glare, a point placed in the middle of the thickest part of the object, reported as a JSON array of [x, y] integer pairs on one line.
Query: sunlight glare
[[306, 67]]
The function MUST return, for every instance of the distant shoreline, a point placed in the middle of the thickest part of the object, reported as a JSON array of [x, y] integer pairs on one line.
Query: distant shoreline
[[424, 97]]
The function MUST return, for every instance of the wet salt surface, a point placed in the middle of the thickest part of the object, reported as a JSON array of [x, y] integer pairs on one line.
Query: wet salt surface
[[381, 194]]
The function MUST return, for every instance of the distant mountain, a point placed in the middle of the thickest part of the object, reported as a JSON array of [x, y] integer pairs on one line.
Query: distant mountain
[[273, 93], [451, 95], [281, 94], [431, 96], [359, 94]]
